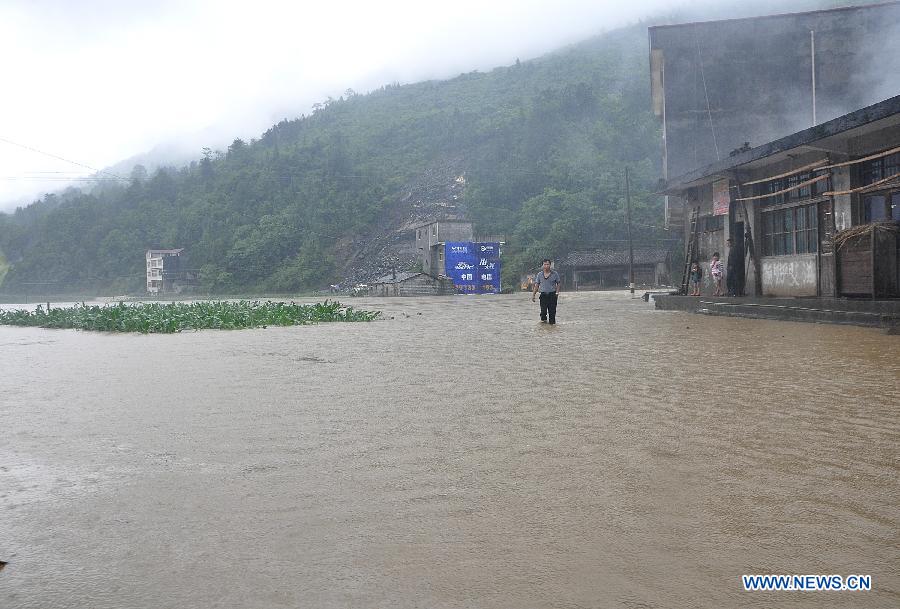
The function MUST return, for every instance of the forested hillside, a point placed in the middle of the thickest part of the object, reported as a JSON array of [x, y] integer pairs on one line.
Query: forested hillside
[[542, 145]]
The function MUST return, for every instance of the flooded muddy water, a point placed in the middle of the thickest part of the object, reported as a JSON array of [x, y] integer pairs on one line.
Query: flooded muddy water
[[458, 455]]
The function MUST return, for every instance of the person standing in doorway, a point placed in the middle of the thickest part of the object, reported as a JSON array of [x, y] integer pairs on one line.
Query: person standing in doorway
[[734, 268], [696, 278], [547, 283], [715, 271]]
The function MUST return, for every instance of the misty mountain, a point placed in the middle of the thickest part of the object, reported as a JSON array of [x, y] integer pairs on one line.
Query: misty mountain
[[534, 151], [540, 146]]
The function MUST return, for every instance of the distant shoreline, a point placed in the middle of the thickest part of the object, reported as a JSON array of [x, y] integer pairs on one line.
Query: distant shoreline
[[36, 299]]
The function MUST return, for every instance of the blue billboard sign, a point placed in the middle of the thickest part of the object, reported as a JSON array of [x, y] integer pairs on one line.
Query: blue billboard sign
[[488, 255], [461, 266], [474, 268]]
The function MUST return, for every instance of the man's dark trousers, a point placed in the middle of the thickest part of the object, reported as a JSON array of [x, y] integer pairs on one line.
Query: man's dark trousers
[[548, 305]]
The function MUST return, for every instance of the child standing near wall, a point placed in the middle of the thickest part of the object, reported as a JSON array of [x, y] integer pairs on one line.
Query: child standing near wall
[[715, 271], [696, 276]]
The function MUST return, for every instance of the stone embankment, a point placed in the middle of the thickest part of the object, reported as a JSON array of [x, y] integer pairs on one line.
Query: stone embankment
[[857, 312]]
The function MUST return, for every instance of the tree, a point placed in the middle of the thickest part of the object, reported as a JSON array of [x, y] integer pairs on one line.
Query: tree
[[542, 147], [206, 165], [138, 174]]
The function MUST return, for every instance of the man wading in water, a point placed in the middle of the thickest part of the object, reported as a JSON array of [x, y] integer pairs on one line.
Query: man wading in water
[[547, 281]]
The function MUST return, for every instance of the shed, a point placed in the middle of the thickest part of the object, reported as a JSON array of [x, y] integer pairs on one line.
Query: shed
[[608, 268], [411, 284], [867, 260]]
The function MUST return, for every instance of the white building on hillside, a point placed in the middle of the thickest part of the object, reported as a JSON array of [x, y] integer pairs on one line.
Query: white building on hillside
[[162, 265]]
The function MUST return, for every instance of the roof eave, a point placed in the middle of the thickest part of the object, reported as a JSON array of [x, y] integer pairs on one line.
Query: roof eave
[[841, 124]]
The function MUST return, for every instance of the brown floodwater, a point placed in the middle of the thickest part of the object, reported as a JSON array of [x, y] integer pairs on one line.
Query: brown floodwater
[[459, 454]]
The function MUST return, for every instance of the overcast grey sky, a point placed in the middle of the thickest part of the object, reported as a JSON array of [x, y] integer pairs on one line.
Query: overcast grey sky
[[98, 81]]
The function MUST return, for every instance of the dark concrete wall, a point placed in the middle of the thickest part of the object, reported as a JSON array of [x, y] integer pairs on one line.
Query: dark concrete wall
[[429, 239], [420, 285], [758, 77], [604, 277], [873, 313]]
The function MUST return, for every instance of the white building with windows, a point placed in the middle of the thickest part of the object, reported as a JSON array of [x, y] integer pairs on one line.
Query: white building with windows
[[161, 268]]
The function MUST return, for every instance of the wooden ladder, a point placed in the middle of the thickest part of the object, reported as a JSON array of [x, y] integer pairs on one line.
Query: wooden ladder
[[691, 250]]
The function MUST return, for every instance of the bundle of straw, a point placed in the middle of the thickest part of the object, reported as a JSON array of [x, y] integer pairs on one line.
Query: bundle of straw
[[862, 230]]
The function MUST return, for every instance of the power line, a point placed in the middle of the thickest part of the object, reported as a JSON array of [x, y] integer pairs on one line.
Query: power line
[[59, 179], [706, 93], [56, 156], [277, 177]]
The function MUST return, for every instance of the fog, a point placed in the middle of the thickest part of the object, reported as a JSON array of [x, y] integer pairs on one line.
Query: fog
[[98, 81]]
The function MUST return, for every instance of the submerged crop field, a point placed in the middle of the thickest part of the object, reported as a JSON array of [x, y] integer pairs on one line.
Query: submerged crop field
[[175, 317]]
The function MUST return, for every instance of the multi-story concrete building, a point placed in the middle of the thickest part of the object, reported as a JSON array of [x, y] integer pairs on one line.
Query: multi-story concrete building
[[820, 206], [430, 240], [163, 268], [719, 87]]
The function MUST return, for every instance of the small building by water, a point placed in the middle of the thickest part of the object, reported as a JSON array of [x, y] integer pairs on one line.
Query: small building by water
[[411, 284], [430, 240], [167, 272], [599, 269], [161, 267]]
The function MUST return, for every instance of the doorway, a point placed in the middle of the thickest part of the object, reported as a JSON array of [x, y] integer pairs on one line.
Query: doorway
[[737, 235]]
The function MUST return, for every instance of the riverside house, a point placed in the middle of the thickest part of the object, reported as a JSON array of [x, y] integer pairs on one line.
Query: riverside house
[[815, 213]]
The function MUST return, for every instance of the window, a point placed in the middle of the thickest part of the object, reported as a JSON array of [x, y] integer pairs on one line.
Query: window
[[800, 244], [892, 165], [784, 232], [812, 226], [794, 230], [434, 230], [768, 222], [709, 224], [870, 172], [878, 169], [875, 208], [882, 204], [799, 194]]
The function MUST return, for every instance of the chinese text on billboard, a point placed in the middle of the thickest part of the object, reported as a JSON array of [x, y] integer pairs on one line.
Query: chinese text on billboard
[[474, 268]]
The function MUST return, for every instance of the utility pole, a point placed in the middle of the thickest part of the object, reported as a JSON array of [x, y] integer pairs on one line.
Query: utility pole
[[630, 245], [812, 56]]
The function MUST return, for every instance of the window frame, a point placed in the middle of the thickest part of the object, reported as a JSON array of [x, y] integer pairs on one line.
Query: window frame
[[807, 193], [862, 211], [791, 231]]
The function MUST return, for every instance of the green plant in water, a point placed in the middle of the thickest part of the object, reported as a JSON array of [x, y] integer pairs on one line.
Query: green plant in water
[[175, 317]]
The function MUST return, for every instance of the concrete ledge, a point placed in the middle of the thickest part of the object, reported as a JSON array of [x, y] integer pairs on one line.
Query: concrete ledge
[[871, 313]]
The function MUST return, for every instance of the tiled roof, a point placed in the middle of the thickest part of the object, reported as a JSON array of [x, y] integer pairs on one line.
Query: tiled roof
[[400, 277], [605, 257], [887, 110]]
